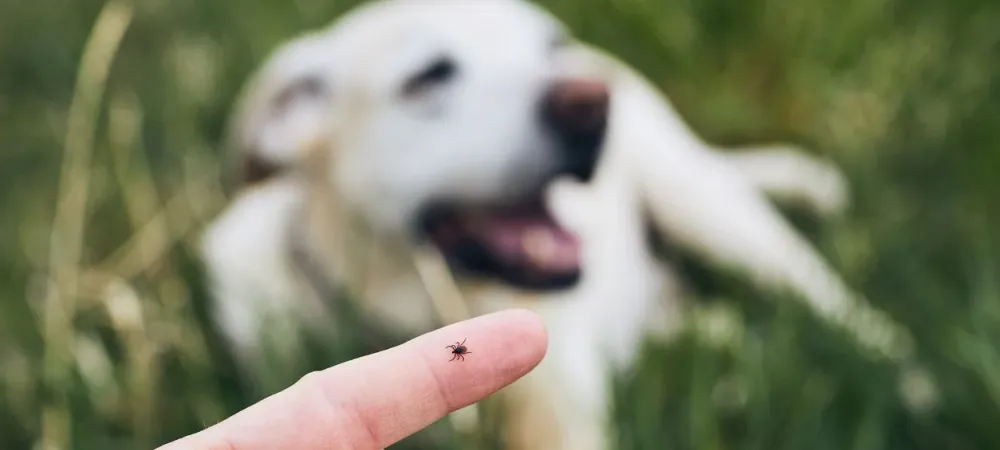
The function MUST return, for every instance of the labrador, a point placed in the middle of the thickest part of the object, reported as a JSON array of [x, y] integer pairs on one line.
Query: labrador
[[437, 159]]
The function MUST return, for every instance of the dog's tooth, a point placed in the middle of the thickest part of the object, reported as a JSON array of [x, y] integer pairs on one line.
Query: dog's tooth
[[539, 244]]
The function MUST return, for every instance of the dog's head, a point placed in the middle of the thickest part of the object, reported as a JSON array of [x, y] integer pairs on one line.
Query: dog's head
[[451, 119]]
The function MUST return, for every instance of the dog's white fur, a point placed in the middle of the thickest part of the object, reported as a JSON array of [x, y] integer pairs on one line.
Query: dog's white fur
[[357, 161]]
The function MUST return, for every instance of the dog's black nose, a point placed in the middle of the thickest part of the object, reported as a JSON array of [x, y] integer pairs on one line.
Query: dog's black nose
[[576, 110], [577, 106]]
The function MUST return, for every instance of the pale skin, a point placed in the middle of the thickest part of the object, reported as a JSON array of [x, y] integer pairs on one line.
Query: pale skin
[[375, 401]]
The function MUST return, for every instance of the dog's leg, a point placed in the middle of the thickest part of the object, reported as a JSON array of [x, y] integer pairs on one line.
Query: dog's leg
[[596, 329], [702, 202], [264, 341], [788, 175], [255, 297], [563, 403]]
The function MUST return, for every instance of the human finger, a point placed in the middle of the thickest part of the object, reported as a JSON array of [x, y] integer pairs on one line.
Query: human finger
[[374, 401]]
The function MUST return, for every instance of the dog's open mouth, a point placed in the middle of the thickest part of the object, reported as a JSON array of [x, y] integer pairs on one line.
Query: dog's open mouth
[[521, 244]]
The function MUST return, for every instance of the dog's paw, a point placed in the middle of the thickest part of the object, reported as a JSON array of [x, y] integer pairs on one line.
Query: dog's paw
[[830, 193], [572, 204], [788, 175]]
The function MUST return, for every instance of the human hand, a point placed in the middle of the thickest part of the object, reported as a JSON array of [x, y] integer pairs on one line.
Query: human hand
[[374, 401]]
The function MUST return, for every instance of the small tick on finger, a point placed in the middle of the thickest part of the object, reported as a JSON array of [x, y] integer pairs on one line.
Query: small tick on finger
[[459, 350]]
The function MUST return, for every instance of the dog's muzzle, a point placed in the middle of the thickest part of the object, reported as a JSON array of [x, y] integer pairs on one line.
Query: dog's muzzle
[[520, 242], [576, 112]]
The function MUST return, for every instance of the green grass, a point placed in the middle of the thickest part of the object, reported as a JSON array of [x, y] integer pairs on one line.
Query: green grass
[[904, 95]]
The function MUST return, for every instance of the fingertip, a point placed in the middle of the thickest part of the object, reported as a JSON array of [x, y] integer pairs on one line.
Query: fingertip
[[506, 345], [532, 331]]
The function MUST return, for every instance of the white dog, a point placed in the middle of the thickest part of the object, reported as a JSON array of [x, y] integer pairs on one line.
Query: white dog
[[477, 136]]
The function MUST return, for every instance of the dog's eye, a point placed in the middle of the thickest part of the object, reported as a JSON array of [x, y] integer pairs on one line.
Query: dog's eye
[[438, 72]]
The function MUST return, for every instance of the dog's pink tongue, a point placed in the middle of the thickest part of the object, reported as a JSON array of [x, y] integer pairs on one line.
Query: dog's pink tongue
[[539, 242]]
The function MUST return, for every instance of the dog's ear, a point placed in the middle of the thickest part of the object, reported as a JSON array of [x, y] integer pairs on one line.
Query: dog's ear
[[282, 109]]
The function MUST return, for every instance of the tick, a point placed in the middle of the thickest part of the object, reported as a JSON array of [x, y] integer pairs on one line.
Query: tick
[[459, 350]]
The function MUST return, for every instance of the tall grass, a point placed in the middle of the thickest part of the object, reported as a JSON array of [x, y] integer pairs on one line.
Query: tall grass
[[110, 118]]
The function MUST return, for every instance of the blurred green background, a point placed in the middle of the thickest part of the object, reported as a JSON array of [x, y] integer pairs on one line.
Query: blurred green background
[[104, 340]]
